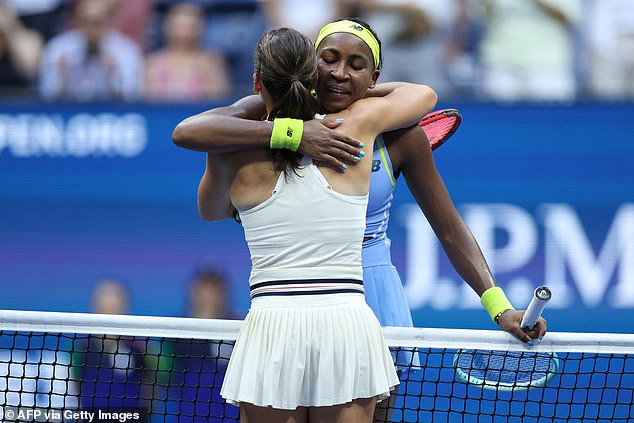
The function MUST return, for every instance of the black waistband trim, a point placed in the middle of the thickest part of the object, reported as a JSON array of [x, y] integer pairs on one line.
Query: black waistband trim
[[304, 281], [290, 293]]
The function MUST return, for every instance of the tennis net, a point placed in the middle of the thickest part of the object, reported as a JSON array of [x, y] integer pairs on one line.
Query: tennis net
[[64, 366]]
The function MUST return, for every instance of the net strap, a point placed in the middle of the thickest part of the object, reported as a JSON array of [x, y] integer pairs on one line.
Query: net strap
[[214, 329]]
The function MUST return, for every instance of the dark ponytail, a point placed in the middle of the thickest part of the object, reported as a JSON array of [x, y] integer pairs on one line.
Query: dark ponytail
[[286, 62]]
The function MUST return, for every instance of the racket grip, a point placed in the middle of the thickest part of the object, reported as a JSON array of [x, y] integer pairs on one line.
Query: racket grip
[[540, 297]]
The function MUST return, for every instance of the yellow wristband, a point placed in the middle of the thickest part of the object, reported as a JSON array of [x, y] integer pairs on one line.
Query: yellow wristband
[[495, 302], [287, 133]]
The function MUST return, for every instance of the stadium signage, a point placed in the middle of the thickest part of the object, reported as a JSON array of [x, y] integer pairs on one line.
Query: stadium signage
[[80, 135]]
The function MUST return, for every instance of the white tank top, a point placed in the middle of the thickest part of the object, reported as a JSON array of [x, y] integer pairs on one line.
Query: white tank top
[[304, 235]]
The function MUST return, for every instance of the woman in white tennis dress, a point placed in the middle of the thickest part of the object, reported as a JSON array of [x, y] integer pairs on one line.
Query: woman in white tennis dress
[[310, 349]]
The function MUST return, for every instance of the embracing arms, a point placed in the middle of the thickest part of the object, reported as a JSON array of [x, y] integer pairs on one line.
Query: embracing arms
[[240, 126], [395, 105]]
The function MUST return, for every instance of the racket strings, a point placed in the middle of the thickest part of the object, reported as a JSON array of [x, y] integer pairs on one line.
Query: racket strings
[[438, 130], [440, 125], [513, 369]]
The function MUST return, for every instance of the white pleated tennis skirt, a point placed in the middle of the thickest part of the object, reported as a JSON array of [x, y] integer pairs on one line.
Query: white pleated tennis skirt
[[309, 351]]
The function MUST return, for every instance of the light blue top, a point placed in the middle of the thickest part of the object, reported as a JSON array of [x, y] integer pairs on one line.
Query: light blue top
[[382, 183]]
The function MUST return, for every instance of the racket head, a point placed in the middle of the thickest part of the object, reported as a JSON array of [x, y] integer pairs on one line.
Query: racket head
[[440, 125], [506, 370]]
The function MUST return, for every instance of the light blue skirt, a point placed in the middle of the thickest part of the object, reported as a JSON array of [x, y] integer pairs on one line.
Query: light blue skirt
[[385, 295]]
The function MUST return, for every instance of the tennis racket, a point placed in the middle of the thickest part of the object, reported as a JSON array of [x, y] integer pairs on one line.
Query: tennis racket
[[440, 125], [510, 370], [540, 297]]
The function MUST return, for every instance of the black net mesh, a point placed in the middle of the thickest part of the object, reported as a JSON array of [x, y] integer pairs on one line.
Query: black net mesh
[[56, 377]]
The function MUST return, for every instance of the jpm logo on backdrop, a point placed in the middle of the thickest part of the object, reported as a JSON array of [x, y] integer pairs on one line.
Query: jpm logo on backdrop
[[79, 135], [551, 246]]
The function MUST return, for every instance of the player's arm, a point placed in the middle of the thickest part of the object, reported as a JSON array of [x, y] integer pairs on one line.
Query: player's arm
[[417, 164], [240, 126], [382, 89], [412, 152], [224, 129], [394, 105], [213, 191]]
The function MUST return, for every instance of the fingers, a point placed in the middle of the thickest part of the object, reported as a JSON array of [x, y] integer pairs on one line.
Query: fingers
[[343, 152], [510, 322], [349, 145], [349, 148], [318, 142], [540, 329], [331, 123], [334, 123], [348, 157], [536, 333], [521, 335]]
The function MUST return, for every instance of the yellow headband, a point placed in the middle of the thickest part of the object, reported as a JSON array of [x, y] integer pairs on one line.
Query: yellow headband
[[353, 28]]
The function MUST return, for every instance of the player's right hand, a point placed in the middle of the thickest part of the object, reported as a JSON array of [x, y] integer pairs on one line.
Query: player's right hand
[[321, 142], [510, 322]]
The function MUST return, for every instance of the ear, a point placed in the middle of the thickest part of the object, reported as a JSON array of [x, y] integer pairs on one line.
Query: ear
[[373, 79], [257, 83]]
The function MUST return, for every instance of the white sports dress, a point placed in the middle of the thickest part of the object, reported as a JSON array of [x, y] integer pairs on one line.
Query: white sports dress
[[309, 339]]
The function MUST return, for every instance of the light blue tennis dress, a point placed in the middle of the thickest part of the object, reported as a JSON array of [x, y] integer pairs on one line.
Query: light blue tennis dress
[[384, 290], [383, 287]]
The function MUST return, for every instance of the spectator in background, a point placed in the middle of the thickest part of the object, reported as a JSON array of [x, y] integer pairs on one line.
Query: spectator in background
[[47, 17], [414, 37], [182, 70], [305, 16], [92, 62], [109, 369], [199, 365], [461, 53], [208, 292], [527, 49], [133, 19], [610, 40], [110, 296], [20, 50], [233, 27]]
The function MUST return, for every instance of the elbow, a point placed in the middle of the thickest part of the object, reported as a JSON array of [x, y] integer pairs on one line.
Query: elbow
[[178, 135], [205, 216], [208, 208], [212, 215], [430, 97], [206, 213], [434, 97], [184, 134]]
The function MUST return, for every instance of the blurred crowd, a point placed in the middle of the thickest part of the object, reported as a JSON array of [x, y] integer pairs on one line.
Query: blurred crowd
[[165, 376], [200, 50]]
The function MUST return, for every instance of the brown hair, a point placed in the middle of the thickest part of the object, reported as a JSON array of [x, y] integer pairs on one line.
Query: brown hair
[[286, 61]]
